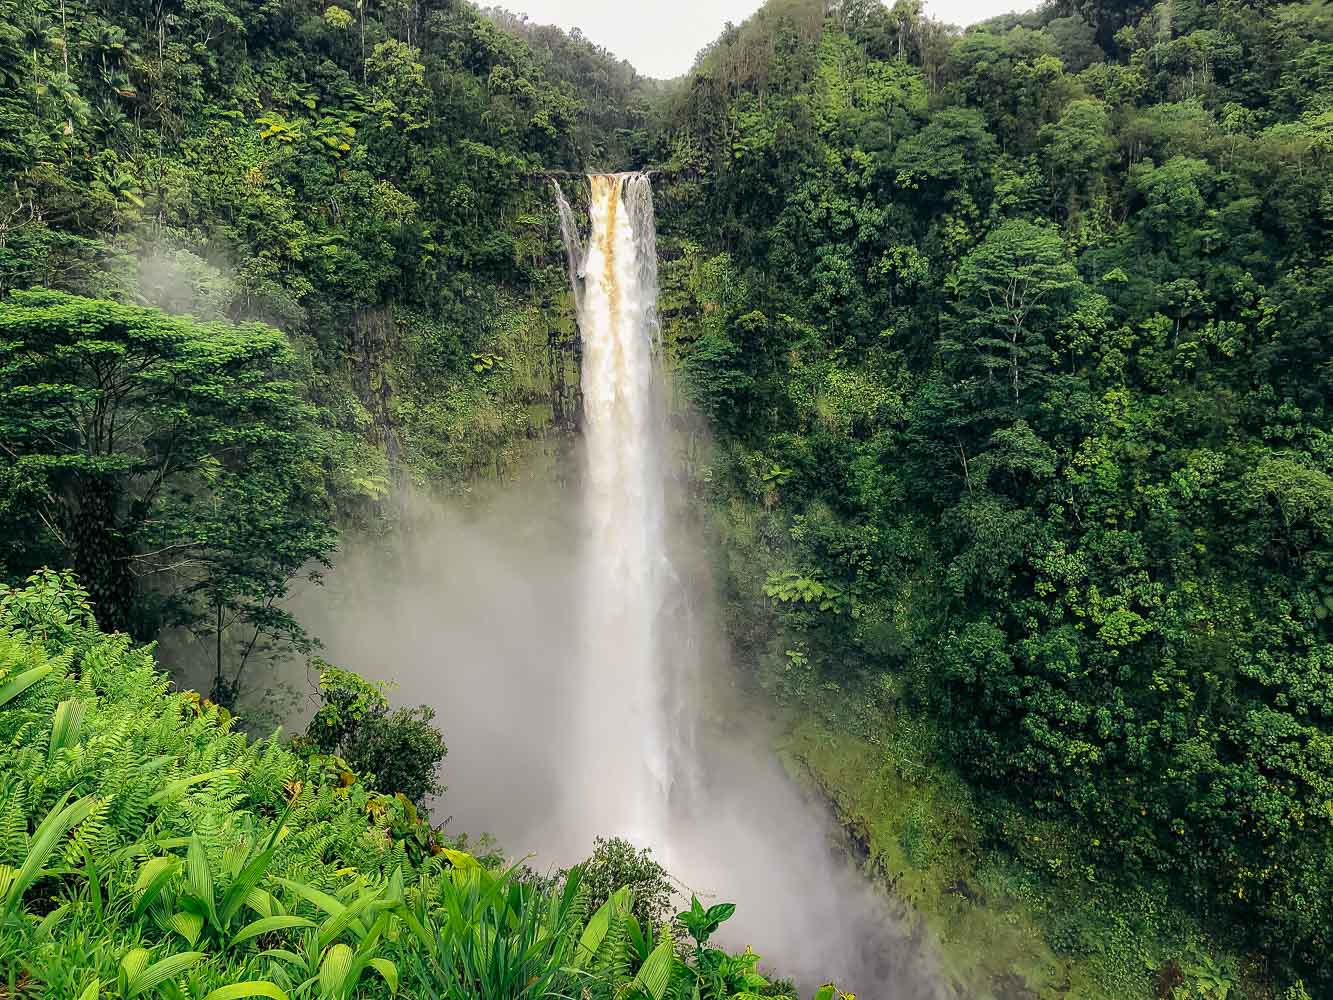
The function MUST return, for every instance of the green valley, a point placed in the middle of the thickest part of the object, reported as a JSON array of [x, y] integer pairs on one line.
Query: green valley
[[995, 388]]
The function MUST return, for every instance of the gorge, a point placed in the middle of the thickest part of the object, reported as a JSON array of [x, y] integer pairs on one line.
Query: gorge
[[907, 515], [586, 612]]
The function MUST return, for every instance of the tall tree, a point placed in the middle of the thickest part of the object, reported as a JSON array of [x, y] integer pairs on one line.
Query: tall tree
[[179, 467], [1013, 291]]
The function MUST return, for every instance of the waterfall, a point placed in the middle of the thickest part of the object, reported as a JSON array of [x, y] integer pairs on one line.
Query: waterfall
[[713, 802], [572, 646], [625, 738]]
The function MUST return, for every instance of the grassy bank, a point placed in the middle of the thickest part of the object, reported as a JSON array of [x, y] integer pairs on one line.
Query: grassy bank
[[1009, 925]]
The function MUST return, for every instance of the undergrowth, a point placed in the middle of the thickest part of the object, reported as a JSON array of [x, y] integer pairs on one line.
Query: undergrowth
[[148, 849]]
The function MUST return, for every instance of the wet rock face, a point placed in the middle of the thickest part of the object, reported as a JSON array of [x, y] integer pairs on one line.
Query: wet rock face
[[373, 340], [1012, 986]]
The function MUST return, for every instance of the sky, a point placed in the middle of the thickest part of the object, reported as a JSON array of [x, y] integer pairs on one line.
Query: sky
[[661, 37]]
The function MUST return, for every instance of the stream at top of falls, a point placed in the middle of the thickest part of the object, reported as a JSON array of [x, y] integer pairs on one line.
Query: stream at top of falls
[[566, 640]]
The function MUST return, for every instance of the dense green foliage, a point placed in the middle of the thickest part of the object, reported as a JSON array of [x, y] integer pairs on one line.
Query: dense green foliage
[[615, 864], [1014, 343], [1019, 342], [364, 178], [399, 749], [148, 850], [172, 464]]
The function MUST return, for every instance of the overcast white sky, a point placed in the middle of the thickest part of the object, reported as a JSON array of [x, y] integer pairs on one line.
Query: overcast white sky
[[662, 37]]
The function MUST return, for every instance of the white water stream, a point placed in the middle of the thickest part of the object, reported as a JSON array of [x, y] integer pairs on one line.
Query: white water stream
[[625, 738], [721, 814]]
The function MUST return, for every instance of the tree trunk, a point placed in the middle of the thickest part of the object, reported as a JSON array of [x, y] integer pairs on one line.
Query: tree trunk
[[219, 682], [101, 555]]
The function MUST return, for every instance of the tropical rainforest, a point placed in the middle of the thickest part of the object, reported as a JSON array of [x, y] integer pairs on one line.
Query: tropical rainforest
[[1003, 359]]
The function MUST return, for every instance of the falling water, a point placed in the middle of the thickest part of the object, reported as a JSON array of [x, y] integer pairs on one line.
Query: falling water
[[625, 733], [607, 706], [718, 810]]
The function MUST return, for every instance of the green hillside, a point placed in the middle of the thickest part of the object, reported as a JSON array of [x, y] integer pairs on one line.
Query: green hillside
[[1001, 363], [147, 849]]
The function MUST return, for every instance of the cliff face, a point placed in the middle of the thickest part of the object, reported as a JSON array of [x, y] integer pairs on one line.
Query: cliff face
[[372, 340], [370, 183]]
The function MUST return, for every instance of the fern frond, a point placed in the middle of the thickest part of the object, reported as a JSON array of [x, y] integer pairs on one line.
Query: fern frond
[[13, 826], [91, 836]]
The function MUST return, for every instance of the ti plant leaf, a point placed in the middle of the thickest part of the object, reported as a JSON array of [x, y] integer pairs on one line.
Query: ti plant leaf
[[59, 821]]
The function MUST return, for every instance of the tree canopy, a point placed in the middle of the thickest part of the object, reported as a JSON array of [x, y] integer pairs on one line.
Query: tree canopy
[[1013, 343], [1019, 339], [172, 464]]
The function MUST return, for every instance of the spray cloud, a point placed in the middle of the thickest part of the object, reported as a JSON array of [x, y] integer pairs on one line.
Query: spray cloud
[[567, 646]]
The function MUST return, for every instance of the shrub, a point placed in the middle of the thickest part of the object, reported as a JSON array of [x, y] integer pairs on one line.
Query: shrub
[[616, 864], [400, 749]]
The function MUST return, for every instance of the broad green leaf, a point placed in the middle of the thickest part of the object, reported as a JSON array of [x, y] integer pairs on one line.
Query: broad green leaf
[[49, 922], [322, 900], [94, 881], [290, 957], [655, 974], [49, 833], [258, 988], [134, 962], [335, 925], [151, 870], [233, 859], [16, 685], [641, 944], [461, 859], [199, 876], [334, 969], [154, 874], [387, 970], [263, 903], [394, 890], [595, 931], [65, 726], [719, 914], [238, 893], [249, 877], [187, 925], [267, 925], [159, 972]]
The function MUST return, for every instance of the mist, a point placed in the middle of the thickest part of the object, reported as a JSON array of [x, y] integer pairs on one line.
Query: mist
[[474, 611], [471, 613]]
